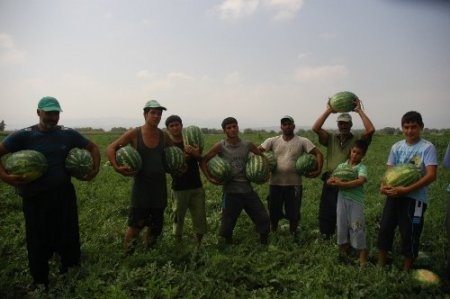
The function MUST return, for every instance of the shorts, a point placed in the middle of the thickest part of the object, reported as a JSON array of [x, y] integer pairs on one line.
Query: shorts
[[288, 196], [408, 215], [351, 224]]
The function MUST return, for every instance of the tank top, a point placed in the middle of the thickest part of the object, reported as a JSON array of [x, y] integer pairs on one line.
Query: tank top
[[149, 187], [236, 155]]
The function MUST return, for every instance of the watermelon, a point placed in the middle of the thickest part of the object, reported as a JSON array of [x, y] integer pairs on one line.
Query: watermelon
[[426, 277], [220, 169], [305, 164], [30, 164], [174, 159], [193, 135], [270, 155], [257, 169], [343, 101], [128, 156], [401, 175], [79, 162], [345, 173]]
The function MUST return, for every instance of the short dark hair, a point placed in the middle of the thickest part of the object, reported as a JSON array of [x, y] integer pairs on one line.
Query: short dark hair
[[362, 145], [412, 117], [227, 121], [173, 118]]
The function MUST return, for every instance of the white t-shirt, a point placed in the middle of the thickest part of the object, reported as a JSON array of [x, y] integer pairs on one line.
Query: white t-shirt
[[287, 153]]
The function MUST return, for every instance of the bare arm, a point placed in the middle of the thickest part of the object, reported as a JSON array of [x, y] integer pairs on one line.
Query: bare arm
[[317, 126], [204, 162], [12, 179], [319, 158], [368, 125], [129, 137], [334, 181], [95, 153]]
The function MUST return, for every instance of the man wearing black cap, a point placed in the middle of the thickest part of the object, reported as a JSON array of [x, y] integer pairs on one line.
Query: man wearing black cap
[[149, 192], [338, 147], [49, 202], [285, 184]]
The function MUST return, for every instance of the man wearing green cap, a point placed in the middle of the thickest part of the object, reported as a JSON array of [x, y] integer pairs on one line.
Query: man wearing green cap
[[285, 185], [338, 148], [149, 192], [49, 202]]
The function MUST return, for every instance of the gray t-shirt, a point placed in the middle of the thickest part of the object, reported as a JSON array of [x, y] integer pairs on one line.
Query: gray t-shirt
[[236, 155], [287, 153]]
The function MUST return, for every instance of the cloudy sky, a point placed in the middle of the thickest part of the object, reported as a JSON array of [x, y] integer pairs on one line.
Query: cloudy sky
[[256, 60]]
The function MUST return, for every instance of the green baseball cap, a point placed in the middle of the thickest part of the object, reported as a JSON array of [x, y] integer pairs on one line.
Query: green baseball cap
[[49, 104], [153, 104]]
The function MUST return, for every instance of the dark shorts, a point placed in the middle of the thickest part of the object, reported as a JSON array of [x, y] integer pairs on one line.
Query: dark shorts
[[408, 215], [151, 217], [289, 197]]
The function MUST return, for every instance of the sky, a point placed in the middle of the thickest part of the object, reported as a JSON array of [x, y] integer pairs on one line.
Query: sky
[[256, 60]]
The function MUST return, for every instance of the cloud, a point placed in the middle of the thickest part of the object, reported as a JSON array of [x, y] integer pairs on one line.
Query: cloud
[[238, 9], [320, 72], [9, 53]]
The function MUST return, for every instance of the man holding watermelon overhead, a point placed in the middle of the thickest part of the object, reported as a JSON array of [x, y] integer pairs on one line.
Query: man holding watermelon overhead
[[49, 202], [338, 147], [406, 204], [285, 183], [149, 192]]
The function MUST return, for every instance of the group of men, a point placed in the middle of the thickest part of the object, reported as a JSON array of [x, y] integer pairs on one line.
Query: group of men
[[49, 203]]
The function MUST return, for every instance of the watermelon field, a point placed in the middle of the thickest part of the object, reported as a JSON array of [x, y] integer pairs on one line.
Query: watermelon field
[[308, 268]]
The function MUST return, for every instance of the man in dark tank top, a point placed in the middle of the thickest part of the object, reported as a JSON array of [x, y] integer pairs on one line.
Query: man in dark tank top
[[149, 192]]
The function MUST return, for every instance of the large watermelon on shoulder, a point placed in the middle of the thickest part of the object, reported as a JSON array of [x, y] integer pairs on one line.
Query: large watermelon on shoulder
[[128, 156], [343, 101], [345, 173], [79, 162], [257, 169], [220, 169], [401, 175], [305, 164], [30, 164], [174, 159], [193, 135], [270, 155]]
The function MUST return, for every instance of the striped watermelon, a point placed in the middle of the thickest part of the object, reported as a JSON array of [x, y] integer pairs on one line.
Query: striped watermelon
[[30, 164], [270, 155], [193, 135], [174, 159], [220, 169], [401, 175], [343, 101], [79, 162], [129, 156], [257, 169], [345, 173], [305, 164]]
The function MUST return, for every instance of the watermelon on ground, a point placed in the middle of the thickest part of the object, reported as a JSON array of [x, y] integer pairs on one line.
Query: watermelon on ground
[[30, 164], [426, 277], [79, 162], [128, 156]]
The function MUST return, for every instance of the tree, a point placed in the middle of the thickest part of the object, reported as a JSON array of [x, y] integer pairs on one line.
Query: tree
[[2, 126]]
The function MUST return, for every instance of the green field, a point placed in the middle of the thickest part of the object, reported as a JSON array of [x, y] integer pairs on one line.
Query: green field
[[283, 269]]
